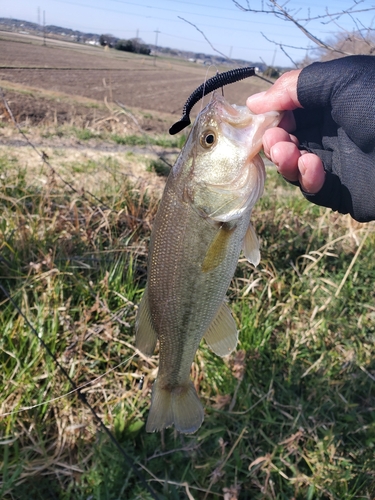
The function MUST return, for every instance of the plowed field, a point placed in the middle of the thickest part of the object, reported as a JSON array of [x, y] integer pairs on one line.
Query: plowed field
[[143, 82]]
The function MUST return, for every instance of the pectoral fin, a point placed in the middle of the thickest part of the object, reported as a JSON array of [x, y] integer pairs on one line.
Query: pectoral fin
[[251, 246], [145, 339], [217, 251], [222, 335]]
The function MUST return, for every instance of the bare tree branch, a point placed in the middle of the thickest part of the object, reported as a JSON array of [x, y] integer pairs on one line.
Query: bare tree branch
[[271, 10], [204, 36], [282, 48], [344, 44], [335, 14], [221, 53], [281, 12]]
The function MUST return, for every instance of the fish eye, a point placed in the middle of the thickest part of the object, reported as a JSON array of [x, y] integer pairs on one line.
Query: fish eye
[[208, 138]]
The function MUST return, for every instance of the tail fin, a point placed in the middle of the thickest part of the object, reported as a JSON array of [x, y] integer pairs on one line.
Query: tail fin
[[180, 407]]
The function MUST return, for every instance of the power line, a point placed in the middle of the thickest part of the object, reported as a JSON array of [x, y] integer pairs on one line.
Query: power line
[[244, 18], [82, 397], [200, 14]]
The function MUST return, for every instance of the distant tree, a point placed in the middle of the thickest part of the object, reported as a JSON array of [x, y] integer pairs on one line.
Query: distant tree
[[140, 47], [133, 45], [354, 42], [126, 45], [272, 72], [144, 49], [107, 40]]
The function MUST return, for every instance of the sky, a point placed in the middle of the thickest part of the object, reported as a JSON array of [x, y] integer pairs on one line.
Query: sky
[[234, 33]]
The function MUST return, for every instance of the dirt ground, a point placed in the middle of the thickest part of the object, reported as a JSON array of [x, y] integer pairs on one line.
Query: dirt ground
[[158, 85], [84, 87]]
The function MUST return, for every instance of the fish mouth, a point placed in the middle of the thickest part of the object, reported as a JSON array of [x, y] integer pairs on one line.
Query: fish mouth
[[239, 124], [230, 113], [221, 108]]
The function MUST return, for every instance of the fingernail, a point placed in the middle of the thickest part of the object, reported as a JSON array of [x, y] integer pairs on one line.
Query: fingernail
[[301, 166], [272, 157], [265, 144], [256, 96]]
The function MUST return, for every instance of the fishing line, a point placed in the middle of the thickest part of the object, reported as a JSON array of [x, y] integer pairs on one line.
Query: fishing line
[[214, 83], [76, 388], [208, 86], [81, 396], [68, 393], [204, 85], [44, 158]]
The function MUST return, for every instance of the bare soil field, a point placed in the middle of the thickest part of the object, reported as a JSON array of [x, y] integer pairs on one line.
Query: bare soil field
[[56, 91], [158, 85]]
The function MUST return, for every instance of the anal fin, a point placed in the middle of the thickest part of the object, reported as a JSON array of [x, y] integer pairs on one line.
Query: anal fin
[[251, 246], [222, 335], [145, 338]]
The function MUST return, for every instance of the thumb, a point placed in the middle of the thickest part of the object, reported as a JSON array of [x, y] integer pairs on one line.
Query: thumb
[[280, 97]]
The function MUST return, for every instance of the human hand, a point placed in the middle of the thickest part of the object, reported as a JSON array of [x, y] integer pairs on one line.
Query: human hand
[[279, 145]]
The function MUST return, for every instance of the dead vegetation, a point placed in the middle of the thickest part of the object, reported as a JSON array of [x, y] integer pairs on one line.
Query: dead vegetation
[[290, 415]]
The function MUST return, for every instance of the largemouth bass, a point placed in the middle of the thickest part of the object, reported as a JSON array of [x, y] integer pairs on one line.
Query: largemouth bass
[[202, 223]]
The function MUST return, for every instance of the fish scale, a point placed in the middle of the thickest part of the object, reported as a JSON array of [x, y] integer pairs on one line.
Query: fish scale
[[202, 223]]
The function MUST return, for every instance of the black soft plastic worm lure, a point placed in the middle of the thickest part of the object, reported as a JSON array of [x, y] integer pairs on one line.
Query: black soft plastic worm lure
[[217, 81]]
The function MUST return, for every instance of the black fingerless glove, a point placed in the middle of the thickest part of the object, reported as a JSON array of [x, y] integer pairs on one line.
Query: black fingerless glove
[[338, 124]]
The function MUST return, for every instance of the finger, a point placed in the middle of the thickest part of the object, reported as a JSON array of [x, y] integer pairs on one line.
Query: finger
[[286, 156], [274, 135], [281, 96], [311, 173]]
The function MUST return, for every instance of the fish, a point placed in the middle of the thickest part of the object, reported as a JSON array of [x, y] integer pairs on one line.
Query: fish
[[202, 223]]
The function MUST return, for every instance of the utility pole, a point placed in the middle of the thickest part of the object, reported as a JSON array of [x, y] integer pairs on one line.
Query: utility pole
[[265, 65], [39, 18], [156, 44], [137, 35], [44, 27], [274, 57]]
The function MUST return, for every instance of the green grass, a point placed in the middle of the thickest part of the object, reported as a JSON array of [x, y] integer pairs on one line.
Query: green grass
[[289, 415], [145, 140], [85, 134], [159, 167]]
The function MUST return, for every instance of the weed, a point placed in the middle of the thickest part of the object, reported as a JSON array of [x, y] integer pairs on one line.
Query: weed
[[145, 140], [85, 134], [159, 167], [130, 140], [81, 167], [289, 415]]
